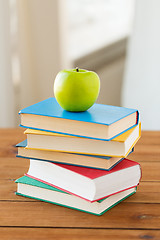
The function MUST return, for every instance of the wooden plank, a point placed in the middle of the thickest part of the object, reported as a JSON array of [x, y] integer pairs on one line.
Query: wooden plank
[[8, 139], [150, 171], [13, 168], [147, 149], [144, 157], [151, 134], [148, 192], [40, 214], [149, 138], [7, 192], [11, 136], [78, 234]]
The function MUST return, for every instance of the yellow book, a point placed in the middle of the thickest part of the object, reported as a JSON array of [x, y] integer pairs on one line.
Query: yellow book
[[117, 147]]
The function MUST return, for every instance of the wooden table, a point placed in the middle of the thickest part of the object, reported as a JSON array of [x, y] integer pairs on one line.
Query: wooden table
[[21, 218]]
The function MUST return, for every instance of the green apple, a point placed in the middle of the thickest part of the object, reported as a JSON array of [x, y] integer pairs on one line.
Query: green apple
[[76, 90]]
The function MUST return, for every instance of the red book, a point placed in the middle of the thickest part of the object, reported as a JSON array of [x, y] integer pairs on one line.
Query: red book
[[90, 184]]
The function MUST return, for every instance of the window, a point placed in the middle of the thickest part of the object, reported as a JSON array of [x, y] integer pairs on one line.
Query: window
[[96, 23]]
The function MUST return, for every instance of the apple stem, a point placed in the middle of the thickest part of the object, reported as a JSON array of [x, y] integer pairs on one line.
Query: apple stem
[[77, 69]]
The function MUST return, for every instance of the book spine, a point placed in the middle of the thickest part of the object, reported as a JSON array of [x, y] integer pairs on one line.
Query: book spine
[[137, 119]]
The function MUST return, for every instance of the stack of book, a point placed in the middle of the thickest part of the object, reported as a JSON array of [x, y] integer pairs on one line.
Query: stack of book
[[78, 160]]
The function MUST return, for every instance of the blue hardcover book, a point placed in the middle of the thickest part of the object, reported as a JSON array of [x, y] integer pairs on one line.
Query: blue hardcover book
[[103, 122], [89, 161]]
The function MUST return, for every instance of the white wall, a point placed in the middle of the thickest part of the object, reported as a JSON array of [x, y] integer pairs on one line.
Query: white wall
[[6, 85], [141, 86], [42, 47], [39, 45], [111, 75]]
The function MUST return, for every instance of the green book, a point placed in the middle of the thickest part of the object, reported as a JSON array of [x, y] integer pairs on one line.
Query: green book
[[35, 189]]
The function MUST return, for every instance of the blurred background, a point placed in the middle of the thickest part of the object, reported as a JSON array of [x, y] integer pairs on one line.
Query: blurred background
[[119, 39]]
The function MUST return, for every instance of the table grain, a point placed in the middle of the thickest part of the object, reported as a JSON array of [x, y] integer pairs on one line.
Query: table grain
[[138, 217]]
